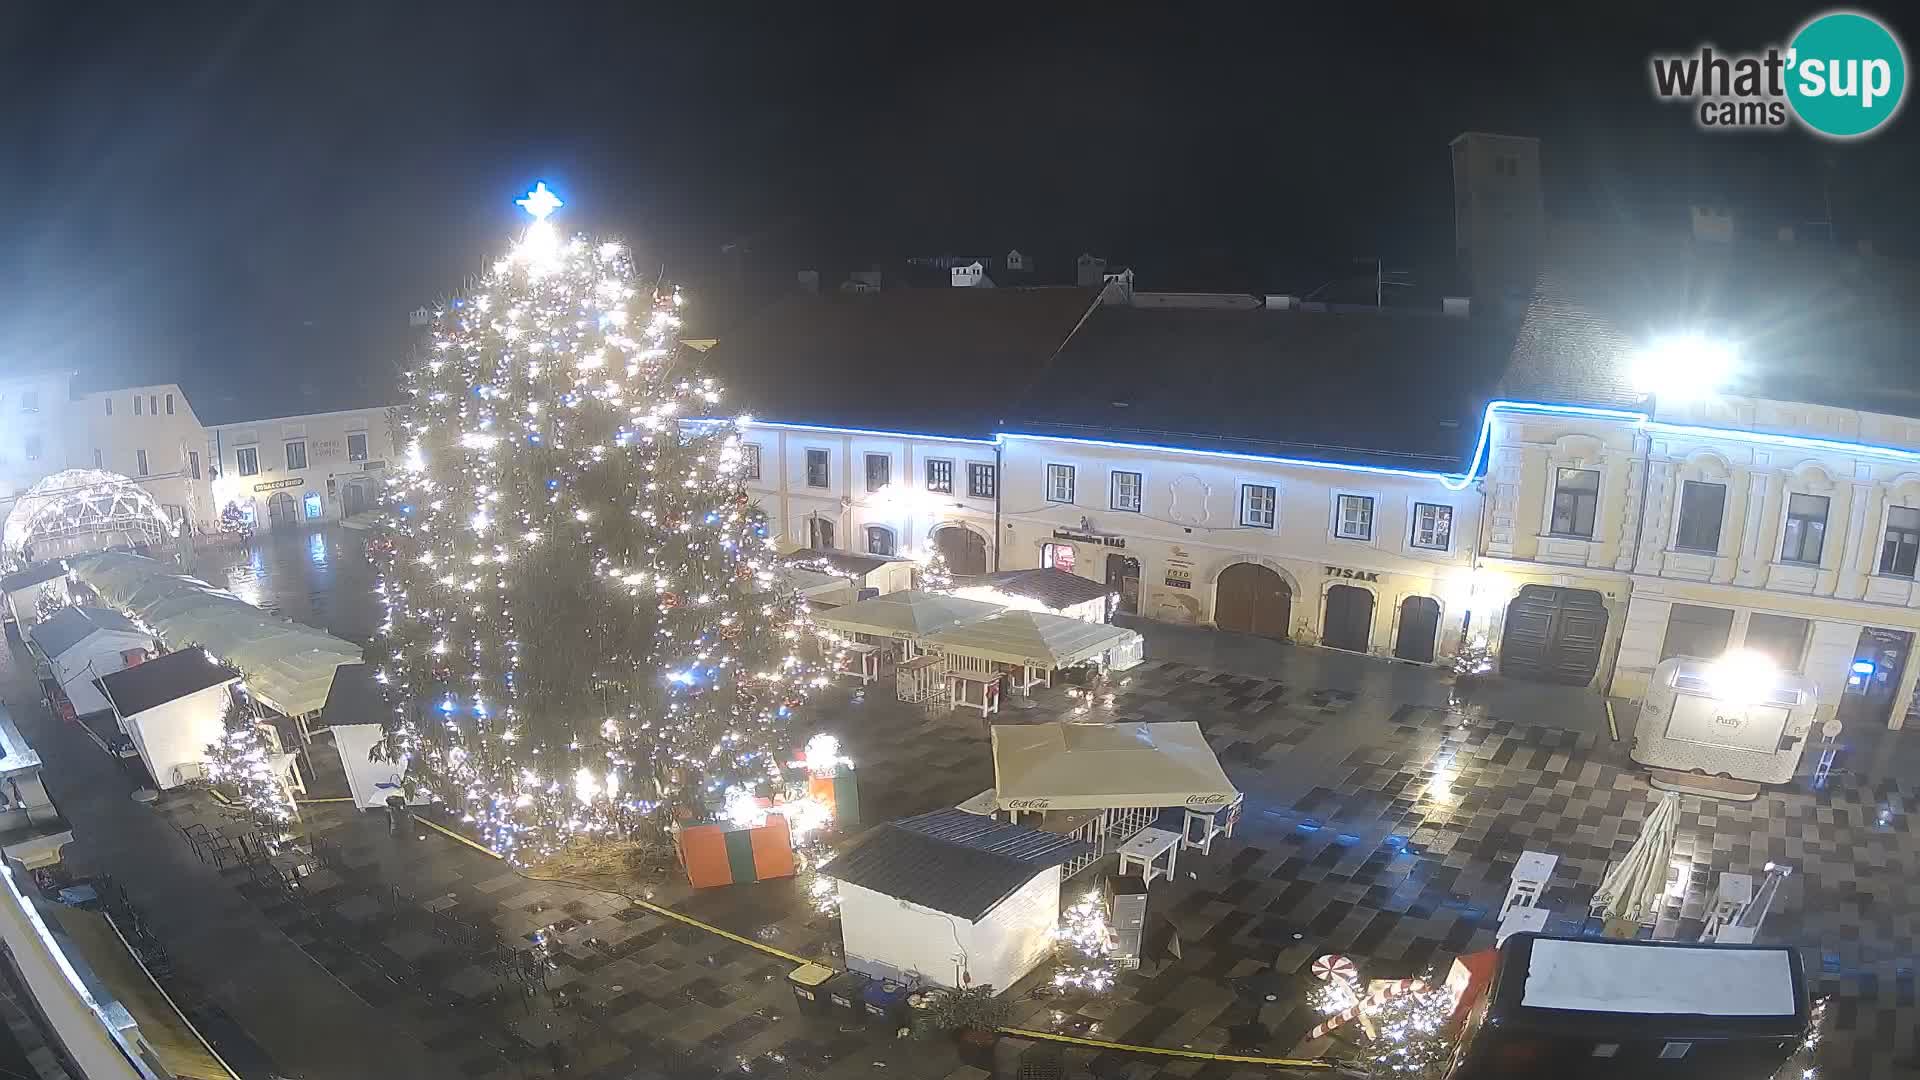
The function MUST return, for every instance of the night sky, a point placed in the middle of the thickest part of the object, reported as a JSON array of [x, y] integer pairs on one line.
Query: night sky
[[248, 199]]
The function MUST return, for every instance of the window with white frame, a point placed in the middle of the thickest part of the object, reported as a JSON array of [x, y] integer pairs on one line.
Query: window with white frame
[[96, 459], [750, 461], [1432, 526], [982, 479], [1576, 500], [356, 446], [1257, 502], [246, 459], [109, 400], [297, 454], [1353, 519], [819, 470], [879, 471], [136, 404], [193, 464], [1702, 506], [1125, 492], [169, 404], [940, 476], [1060, 483], [879, 540], [1805, 533], [140, 462], [1901, 546]]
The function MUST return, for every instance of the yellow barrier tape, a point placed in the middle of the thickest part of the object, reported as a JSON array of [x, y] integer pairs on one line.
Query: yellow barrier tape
[[444, 831], [1198, 1055]]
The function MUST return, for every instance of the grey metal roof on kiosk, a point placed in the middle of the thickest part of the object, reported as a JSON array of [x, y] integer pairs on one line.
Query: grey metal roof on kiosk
[[33, 575], [167, 678], [71, 626], [951, 861]]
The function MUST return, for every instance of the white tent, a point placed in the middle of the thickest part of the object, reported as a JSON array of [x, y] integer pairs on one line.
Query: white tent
[[82, 644], [1101, 766], [909, 615], [1035, 639]]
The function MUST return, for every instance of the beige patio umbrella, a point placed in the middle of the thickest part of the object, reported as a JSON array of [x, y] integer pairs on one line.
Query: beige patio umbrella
[[1635, 885]]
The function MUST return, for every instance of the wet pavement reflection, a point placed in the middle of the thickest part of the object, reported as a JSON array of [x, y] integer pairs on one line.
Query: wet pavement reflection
[[320, 577]]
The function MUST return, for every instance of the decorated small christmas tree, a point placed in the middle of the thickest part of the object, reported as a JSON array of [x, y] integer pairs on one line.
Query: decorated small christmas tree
[[242, 759], [583, 634], [932, 573]]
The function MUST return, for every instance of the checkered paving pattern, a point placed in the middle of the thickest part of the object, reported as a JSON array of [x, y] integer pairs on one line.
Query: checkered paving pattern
[[1374, 827]]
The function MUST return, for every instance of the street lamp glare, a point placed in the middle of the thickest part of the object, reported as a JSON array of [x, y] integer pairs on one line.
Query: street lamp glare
[[1742, 676], [1683, 367]]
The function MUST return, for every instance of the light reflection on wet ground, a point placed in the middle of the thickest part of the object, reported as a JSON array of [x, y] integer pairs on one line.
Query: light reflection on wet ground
[[320, 577]]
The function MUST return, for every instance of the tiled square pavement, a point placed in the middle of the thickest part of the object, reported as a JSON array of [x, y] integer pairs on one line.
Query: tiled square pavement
[[1381, 822]]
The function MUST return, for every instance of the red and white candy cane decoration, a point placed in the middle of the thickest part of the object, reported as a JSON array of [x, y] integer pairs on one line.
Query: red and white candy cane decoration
[[1327, 967]]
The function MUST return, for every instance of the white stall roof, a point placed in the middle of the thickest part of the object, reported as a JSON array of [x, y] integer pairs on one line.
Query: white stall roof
[[1089, 766], [910, 614], [1034, 638], [1597, 976]]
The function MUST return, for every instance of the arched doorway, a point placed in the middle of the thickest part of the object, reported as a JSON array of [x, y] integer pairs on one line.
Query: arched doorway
[[280, 509], [1554, 635], [1252, 599], [1123, 577], [1419, 622], [1349, 619], [966, 550]]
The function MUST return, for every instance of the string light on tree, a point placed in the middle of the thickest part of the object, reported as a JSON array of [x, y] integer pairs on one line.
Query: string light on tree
[[243, 759], [582, 630]]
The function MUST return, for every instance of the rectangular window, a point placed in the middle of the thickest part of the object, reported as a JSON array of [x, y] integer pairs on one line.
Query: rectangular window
[[750, 461], [1256, 505], [153, 404], [1898, 551], [1806, 531], [109, 400], [1432, 526], [1780, 638], [1355, 519], [1697, 631], [819, 469], [879, 471], [356, 446], [246, 459], [981, 480], [140, 462], [96, 459], [1060, 483], [169, 404], [1702, 506], [1126, 492], [136, 404], [820, 534], [297, 455], [1576, 496], [940, 476], [879, 540], [33, 448], [193, 464]]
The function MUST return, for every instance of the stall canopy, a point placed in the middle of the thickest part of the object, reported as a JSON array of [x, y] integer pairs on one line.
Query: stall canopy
[[911, 615], [288, 666], [1095, 766], [1033, 638], [1045, 589], [33, 575]]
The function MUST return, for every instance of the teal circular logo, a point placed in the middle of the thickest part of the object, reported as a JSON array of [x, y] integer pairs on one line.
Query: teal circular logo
[[1846, 74]]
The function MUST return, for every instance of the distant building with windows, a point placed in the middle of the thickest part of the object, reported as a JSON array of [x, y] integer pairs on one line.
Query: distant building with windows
[[149, 434], [301, 470]]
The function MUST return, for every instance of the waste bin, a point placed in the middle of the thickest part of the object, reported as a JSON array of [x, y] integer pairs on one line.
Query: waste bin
[[887, 1004], [847, 992], [809, 988]]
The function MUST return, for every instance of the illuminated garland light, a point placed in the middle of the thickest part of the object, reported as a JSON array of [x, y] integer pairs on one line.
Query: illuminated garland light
[[243, 759], [582, 636], [1083, 947]]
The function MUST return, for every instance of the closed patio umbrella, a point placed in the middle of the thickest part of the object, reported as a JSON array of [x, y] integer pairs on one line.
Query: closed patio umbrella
[[1634, 886]]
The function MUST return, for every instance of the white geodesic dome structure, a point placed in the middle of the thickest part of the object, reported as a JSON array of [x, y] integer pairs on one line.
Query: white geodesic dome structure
[[80, 510]]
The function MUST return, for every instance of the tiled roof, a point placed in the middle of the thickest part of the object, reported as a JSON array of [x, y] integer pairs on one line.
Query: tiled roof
[[33, 575], [939, 361], [951, 861], [167, 678], [1055, 588], [1393, 388]]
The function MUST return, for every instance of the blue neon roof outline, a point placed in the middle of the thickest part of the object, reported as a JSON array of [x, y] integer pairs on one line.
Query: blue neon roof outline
[[831, 429]]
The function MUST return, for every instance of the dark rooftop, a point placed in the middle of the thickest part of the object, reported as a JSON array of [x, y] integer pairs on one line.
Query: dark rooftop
[[951, 861], [354, 698], [1810, 322], [1054, 588], [939, 361], [71, 626], [166, 678], [33, 575], [1395, 389]]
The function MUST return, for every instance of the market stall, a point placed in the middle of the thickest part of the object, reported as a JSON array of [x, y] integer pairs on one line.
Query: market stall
[[857, 575], [172, 707], [1028, 645], [22, 589], [1736, 717], [1127, 773], [82, 644], [899, 622], [950, 898]]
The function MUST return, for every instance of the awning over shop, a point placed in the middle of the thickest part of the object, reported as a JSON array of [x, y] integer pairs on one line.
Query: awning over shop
[[288, 666], [1033, 638], [910, 614], [1093, 766]]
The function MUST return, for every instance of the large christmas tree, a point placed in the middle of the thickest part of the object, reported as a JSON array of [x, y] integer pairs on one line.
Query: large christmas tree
[[582, 630]]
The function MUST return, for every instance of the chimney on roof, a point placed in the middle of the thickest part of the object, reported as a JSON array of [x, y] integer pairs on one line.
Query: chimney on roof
[[1457, 306], [809, 281], [1091, 271], [1713, 224]]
